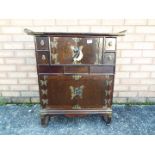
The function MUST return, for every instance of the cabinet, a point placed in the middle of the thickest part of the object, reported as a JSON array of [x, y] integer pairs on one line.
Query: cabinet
[[75, 73]]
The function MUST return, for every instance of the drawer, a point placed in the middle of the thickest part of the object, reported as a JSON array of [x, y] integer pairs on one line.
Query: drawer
[[109, 58], [42, 57], [110, 44], [76, 91], [72, 69], [42, 43]]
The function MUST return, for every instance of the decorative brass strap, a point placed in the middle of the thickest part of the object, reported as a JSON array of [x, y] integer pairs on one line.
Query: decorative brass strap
[[43, 82], [44, 101], [107, 92], [44, 92], [76, 107], [107, 101], [108, 82], [76, 77]]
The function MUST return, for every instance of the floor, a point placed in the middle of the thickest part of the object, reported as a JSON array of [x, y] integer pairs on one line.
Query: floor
[[127, 120]]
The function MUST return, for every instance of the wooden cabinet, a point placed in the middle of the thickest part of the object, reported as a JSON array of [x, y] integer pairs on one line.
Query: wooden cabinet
[[75, 73]]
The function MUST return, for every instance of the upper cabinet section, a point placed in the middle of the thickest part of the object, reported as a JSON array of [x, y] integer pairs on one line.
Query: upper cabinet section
[[75, 48]]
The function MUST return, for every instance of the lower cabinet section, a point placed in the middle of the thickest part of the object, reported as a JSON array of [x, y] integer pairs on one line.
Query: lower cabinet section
[[75, 94]]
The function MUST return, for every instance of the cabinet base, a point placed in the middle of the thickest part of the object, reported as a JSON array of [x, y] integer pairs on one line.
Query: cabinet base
[[107, 118], [46, 114]]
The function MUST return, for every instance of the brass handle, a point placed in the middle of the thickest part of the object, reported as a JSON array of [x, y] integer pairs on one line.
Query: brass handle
[[110, 43], [42, 43], [110, 57], [43, 57]]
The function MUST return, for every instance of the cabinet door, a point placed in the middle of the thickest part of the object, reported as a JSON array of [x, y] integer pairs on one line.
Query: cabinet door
[[69, 50], [76, 91]]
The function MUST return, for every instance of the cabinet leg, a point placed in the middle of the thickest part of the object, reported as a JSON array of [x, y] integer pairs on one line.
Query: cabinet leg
[[45, 120], [107, 118]]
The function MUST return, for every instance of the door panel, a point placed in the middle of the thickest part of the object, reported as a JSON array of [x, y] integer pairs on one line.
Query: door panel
[[68, 50], [76, 91]]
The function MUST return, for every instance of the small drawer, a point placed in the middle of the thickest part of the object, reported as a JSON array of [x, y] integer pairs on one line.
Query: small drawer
[[42, 57], [42, 43], [110, 44], [109, 58]]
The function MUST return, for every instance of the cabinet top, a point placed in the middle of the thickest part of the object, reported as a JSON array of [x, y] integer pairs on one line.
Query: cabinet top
[[30, 32]]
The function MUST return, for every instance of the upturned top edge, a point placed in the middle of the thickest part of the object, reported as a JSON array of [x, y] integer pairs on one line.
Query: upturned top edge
[[30, 32]]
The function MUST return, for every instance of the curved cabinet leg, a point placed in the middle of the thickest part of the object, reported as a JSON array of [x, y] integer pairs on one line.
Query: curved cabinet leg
[[107, 118], [44, 120]]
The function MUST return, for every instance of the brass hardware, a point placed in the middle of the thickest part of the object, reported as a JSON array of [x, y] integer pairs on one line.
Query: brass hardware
[[54, 44], [78, 91], [108, 82], [44, 92], [45, 77], [107, 92], [76, 107], [55, 57], [107, 101], [110, 57], [107, 76], [76, 77], [43, 82], [42, 43], [110, 43], [77, 54], [45, 101], [43, 57]]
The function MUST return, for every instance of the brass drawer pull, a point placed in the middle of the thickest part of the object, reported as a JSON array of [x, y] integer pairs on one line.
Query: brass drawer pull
[[110, 58], [110, 43], [42, 43], [43, 57]]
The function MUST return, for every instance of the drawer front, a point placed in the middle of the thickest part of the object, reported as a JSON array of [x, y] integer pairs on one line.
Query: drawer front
[[76, 91], [42, 43], [69, 50], [110, 44], [42, 57], [70, 69], [109, 58]]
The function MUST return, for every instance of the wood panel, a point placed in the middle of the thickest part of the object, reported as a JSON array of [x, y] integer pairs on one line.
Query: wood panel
[[86, 92]]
